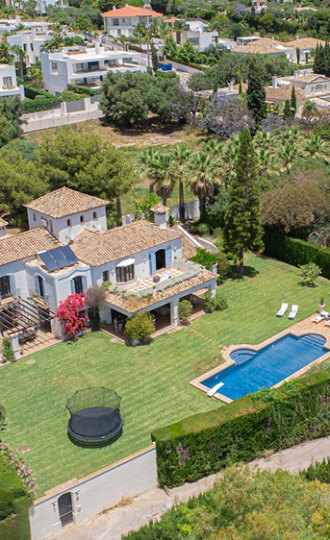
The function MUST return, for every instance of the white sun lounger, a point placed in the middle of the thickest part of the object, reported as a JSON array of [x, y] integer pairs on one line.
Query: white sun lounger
[[282, 310], [321, 317], [215, 389], [293, 311]]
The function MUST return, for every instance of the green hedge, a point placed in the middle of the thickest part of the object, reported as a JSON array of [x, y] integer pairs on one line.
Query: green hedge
[[269, 420], [78, 89], [14, 504], [296, 252], [31, 92]]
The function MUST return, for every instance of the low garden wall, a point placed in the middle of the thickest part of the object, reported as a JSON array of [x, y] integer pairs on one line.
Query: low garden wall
[[270, 420], [95, 493], [296, 252]]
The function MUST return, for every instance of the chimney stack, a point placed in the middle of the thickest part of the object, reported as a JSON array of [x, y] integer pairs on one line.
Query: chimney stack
[[160, 215]]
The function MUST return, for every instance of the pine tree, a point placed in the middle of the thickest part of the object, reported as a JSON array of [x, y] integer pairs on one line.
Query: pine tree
[[243, 229], [293, 102], [256, 94]]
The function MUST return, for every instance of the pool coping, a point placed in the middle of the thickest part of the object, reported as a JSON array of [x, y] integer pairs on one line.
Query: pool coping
[[299, 329]]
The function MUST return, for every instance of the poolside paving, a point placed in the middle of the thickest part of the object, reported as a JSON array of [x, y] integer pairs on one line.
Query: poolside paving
[[151, 505]]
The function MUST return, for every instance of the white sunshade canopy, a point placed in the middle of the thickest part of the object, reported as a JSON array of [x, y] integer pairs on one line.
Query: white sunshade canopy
[[125, 262]]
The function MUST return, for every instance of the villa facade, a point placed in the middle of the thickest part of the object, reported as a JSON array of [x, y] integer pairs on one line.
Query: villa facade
[[8, 82], [85, 66], [68, 248], [122, 21]]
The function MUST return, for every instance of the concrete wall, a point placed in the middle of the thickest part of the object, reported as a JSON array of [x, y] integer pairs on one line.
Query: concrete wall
[[102, 490]]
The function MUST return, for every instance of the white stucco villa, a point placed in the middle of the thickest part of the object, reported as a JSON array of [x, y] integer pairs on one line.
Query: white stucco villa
[[8, 82], [68, 248], [122, 21]]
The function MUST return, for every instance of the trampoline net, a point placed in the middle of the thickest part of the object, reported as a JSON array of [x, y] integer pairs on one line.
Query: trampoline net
[[88, 398]]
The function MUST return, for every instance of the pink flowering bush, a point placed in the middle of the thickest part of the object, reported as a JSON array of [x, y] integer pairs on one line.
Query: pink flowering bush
[[72, 312], [23, 471]]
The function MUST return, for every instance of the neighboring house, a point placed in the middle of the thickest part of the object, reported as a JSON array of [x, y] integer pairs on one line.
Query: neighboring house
[[245, 40], [259, 6], [30, 41], [122, 21], [200, 40], [143, 261], [41, 5], [306, 47], [271, 47], [308, 86], [8, 82], [85, 66]]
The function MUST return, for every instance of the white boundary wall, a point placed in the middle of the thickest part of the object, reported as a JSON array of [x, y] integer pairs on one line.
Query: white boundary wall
[[99, 491]]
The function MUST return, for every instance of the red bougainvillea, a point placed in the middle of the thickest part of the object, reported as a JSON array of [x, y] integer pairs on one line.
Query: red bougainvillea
[[73, 314]]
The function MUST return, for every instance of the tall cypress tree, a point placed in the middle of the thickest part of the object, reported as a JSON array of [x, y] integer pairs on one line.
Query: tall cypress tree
[[293, 102], [243, 228], [256, 94], [287, 109]]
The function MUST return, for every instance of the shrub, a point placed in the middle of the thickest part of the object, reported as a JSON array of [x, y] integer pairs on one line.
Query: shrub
[[139, 327], [202, 229], [204, 443], [296, 252], [214, 303], [72, 312], [95, 298], [185, 310], [318, 471], [7, 350], [78, 89], [309, 273]]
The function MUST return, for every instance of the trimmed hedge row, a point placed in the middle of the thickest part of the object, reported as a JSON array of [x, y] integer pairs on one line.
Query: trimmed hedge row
[[14, 504], [78, 89], [296, 252], [268, 420]]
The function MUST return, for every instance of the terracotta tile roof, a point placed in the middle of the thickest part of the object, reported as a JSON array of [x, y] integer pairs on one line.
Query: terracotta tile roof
[[304, 43], [64, 202], [282, 94], [97, 248], [25, 245], [261, 46], [131, 11], [133, 303], [306, 78]]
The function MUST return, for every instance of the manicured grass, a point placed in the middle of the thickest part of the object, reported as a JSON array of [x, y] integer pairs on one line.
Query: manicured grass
[[152, 380]]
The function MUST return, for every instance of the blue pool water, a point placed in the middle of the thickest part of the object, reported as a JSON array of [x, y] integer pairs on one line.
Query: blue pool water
[[268, 366]]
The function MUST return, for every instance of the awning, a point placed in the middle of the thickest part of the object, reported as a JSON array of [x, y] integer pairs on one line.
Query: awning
[[126, 262]]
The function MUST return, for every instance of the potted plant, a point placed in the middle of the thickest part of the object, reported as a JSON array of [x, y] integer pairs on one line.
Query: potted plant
[[185, 310], [139, 328], [321, 304]]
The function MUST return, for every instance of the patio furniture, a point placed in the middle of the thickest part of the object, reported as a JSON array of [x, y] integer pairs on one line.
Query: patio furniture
[[282, 310], [327, 323], [293, 311], [321, 317]]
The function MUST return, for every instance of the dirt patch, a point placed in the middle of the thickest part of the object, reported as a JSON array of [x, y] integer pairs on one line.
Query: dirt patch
[[150, 133]]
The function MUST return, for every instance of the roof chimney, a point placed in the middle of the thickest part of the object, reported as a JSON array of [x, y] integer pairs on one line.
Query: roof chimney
[[160, 215], [97, 47]]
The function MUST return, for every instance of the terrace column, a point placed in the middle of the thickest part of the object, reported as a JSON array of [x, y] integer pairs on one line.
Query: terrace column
[[14, 342], [212, 288], [175, 313]]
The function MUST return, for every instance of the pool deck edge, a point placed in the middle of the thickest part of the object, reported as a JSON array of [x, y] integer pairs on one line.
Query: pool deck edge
[[306, 326]]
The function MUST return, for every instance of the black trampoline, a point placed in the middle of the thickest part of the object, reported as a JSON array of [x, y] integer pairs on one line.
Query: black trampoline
[[95, 416]]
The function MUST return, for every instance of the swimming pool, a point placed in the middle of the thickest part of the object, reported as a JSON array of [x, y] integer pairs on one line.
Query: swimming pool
[[268, 366]]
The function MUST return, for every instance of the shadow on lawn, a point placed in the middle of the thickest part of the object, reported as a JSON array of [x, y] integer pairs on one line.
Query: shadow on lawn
[[249, 271]]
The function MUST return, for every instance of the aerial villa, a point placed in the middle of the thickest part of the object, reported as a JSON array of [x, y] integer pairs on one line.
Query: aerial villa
[[68, 248]]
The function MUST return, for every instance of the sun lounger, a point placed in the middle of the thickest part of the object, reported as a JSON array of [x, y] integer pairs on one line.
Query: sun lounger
[[321, 317], [293, 311], [282, 310], [215, 389]]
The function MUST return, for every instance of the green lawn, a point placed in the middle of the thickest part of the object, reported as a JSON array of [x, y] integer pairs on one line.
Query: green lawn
[[152, 380]]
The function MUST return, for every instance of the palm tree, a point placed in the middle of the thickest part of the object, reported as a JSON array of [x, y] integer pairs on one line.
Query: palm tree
[[212, 146], [20, 57], [287, 156], [166, 181], [149, 160], [316, 147], [35, 74], [6, 56], [204, 176], [180, 157]]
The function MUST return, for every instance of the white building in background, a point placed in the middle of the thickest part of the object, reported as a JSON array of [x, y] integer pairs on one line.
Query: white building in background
[[122, 21], [85, 66], [8, 82], [30, 41]]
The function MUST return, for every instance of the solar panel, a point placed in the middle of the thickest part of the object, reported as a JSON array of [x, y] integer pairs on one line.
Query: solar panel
[[70, 256], [48, 261], [59, 257]]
